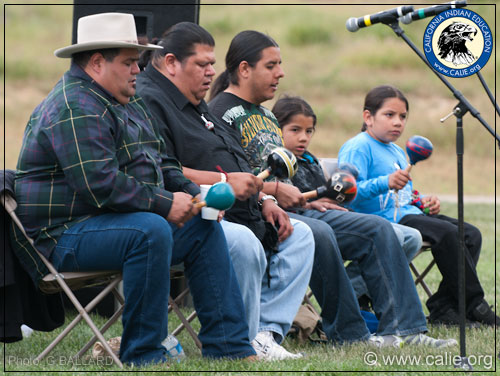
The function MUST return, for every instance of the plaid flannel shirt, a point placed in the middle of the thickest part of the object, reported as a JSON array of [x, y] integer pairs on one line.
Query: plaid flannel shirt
[[85, 154]]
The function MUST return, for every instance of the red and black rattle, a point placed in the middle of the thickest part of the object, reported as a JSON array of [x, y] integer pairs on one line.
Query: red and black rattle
[[341, 187]]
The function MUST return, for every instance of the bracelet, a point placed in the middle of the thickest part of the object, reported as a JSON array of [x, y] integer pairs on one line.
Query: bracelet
[[223, 174], [268, 197]]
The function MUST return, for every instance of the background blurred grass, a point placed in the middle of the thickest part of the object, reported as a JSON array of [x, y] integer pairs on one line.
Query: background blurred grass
[[327, 65]]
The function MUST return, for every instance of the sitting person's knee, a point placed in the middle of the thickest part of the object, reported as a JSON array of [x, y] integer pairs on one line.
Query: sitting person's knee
[[155, 227], [244, 247]]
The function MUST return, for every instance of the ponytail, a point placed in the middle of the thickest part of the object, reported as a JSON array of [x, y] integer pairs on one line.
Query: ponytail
[[220, 84]]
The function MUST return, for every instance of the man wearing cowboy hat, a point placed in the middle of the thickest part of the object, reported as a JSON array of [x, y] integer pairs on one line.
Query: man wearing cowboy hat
[[97, 191]]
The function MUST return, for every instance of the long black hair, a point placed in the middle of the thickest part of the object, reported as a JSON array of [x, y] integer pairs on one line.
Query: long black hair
[[245, 46], [377, 96], [180, 40]]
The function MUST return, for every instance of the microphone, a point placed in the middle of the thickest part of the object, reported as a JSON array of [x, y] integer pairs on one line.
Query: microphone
[[431, 11], [385, 16]]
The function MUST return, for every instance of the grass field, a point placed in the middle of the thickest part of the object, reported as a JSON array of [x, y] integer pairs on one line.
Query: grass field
[[480, 343], [332, 69]]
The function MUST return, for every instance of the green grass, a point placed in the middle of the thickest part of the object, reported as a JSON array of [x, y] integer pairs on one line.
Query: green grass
[[480, 342]]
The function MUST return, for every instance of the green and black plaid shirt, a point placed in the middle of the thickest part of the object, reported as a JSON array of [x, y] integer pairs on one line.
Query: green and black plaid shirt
[[85, 154]]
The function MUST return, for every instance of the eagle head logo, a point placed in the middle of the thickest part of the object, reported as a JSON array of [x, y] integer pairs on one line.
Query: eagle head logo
[[452, 41]]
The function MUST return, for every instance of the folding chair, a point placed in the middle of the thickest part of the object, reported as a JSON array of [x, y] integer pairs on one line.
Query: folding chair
[[177, 272], [50, 281], [419, 277]]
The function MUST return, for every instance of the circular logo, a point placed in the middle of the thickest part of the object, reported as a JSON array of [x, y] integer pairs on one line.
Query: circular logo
[[458, 43]]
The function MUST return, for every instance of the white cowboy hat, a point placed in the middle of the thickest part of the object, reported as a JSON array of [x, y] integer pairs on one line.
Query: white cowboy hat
[[105, 30]]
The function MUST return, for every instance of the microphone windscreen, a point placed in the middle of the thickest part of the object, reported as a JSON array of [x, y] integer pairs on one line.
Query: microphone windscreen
[[406, 19], [352, 25]]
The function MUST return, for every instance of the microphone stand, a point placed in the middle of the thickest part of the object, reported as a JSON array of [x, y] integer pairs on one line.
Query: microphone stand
[[459, 111], [487, 89]]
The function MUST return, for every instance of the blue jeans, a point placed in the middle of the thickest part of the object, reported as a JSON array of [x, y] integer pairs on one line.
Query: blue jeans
[[144, 245], [341, 318], [371, 241], [271, 308], [409, 239]]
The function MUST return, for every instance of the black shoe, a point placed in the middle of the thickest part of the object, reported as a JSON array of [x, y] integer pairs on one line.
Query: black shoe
[[485, 315], [449, 317]]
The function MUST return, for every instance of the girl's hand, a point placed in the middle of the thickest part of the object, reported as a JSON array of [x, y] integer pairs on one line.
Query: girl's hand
[[398, 179], [433, 203]]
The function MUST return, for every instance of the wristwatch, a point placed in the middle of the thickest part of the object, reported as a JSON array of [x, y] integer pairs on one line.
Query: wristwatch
[[268, 197]]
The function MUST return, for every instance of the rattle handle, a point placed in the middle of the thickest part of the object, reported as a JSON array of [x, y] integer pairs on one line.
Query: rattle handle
[[310, 194], [408, 168], [264, 174], [198, 204]]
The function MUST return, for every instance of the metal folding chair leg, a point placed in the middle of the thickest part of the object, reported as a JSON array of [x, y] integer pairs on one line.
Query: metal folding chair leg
[[83, 313], [177, 272], [185, 322], [307, 297], [49, 280], [419, 277], [107, 325]]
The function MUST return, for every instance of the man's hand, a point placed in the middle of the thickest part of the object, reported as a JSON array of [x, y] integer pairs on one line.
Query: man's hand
[[182, 209], [433, 203], [324, 204], [272, 213], [221, 215], [244, 184], [398, 179], [288, 196]]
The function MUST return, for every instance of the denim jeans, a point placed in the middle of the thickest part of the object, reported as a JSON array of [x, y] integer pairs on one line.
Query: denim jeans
[[371, 241], [409, 239], [341, 318], [144, 245], [271, 308]]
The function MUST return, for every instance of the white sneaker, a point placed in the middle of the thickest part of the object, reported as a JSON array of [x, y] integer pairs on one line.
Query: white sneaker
[[268, 349], [424, 340], [386, 341]]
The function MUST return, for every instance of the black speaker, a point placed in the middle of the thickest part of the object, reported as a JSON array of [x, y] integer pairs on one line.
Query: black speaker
[[151, 19]]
